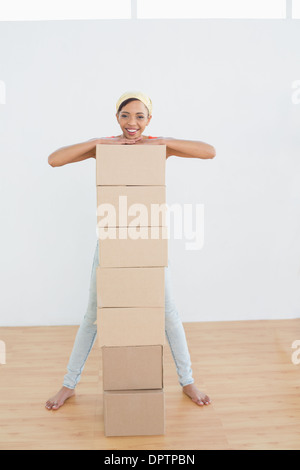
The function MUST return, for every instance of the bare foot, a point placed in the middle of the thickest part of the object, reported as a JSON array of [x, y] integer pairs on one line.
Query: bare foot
[[59, 399], [198, 397]]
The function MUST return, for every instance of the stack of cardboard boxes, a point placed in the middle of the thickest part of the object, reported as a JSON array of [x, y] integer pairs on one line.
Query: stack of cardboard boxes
[[133, 254]]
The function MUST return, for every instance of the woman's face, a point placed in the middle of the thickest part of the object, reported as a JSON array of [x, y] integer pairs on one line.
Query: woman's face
[[133, 119]]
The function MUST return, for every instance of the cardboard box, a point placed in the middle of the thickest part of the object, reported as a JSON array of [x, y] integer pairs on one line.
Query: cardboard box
[[134, 413], [132, 367], [130, 326], [130, 287], [140, 165], [124, 206], [133, 246]]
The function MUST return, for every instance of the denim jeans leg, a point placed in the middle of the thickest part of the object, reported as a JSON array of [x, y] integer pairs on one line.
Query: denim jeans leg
[[176, 335], [86, 334]]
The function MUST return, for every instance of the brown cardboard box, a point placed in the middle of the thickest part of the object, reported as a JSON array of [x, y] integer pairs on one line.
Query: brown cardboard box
[[140, 165], [124, 206], [133, 246], [134, 413], [132, 367], [130, 287], [131, 326]]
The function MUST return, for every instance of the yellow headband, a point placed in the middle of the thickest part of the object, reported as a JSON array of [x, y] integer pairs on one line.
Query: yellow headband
[[136, 94]]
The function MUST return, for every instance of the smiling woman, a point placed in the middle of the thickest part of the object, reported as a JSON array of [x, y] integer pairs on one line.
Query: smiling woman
[[134, 113]]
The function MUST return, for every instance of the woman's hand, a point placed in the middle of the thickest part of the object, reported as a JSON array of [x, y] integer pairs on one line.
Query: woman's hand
[[146, 141], [138, 141], [119, 140]]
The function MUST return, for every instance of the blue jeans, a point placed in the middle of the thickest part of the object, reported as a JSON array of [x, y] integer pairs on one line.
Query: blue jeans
[[87, 332]]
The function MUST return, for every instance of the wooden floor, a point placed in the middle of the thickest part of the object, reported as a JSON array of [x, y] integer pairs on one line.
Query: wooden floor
[[245, 367]]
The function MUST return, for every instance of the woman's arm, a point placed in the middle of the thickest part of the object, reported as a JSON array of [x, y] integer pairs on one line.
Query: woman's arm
[[189, 148], [84, 150], [74, 153]]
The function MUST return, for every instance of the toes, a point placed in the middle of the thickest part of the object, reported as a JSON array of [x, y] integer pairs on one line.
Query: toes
[[202, 401], [205, 399], [198, 401], [51, 405]]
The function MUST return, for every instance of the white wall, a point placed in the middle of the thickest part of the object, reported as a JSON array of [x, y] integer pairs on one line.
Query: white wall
[[226, 82]]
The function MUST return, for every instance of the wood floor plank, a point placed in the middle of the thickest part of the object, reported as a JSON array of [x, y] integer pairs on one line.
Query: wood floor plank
[[245, 367]]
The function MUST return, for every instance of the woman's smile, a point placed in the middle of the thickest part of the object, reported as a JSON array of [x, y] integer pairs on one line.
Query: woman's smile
[[132, 131]]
